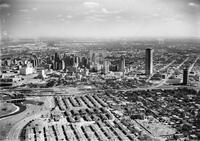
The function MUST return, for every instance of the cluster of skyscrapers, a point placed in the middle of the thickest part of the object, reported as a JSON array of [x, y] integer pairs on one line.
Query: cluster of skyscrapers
[[96, 62], [70, 61]]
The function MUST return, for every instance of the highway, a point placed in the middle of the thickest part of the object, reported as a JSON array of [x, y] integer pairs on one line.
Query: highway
[[31, 113], [15, 131], [171, 73], [191, 67], [161, 82], [20, 108], [167, 66], [161, 69], [178, 67], [17, 99]]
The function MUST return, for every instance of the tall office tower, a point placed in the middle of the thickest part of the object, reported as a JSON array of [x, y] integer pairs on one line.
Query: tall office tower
[[122, 64], [60, 65], [53, 65], [93, 58], [73, 61], [149, 61], [100, 58], [67, 60], [57, 61], [33, 62], [185, 76], [56, 65], [39, 61], [52, 58], [84, 62], [106, 66], [76, 61], [63, 64], [0, 69], [57, 57]]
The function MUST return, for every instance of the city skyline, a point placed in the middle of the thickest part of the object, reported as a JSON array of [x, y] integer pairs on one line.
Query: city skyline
[[100, 18]]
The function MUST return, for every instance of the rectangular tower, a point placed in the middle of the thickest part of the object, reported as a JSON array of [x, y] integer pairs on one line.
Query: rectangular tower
[[185, 76], [149, 61], [122, 64], [106, 66]]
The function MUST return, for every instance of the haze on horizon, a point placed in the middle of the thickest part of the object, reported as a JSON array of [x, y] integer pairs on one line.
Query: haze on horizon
[[100, 18]]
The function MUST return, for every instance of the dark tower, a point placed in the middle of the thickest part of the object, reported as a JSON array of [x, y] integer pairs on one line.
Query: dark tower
[[149, 61], [185, 76]]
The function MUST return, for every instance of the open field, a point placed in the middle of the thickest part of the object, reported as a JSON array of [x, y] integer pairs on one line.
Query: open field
[[7, 108]]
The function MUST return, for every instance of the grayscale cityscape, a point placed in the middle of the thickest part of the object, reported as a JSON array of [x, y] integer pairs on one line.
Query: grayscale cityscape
[[99, 70]]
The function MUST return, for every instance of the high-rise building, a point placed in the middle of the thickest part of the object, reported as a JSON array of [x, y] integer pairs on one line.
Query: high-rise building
[[33, 63], [0, 68], [122, 64], [76, 61], [93, 58], [67, 60], [84, 62], [57, 57], [106, 66], [185, 76], [73, 61], [63, 64], [100, 58], [149, 61]]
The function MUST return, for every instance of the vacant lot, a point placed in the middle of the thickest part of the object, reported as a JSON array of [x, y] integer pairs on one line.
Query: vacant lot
[[7, 108]]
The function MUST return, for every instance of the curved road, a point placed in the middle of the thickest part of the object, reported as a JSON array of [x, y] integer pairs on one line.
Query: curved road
[[21, 109], [32, 112], [15, 131]]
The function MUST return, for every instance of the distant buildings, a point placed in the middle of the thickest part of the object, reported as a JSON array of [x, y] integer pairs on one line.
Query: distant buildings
[[34, 61], [57, 63], [149, 61], [96, 60], [185, 76]]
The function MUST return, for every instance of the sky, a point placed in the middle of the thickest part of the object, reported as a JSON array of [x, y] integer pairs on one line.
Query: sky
[[100, 18]]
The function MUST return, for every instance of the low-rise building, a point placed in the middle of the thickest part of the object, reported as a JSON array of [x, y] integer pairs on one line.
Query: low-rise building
[[27, 69]]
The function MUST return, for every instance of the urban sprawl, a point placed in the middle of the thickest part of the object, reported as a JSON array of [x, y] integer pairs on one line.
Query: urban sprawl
[[118, 90]]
